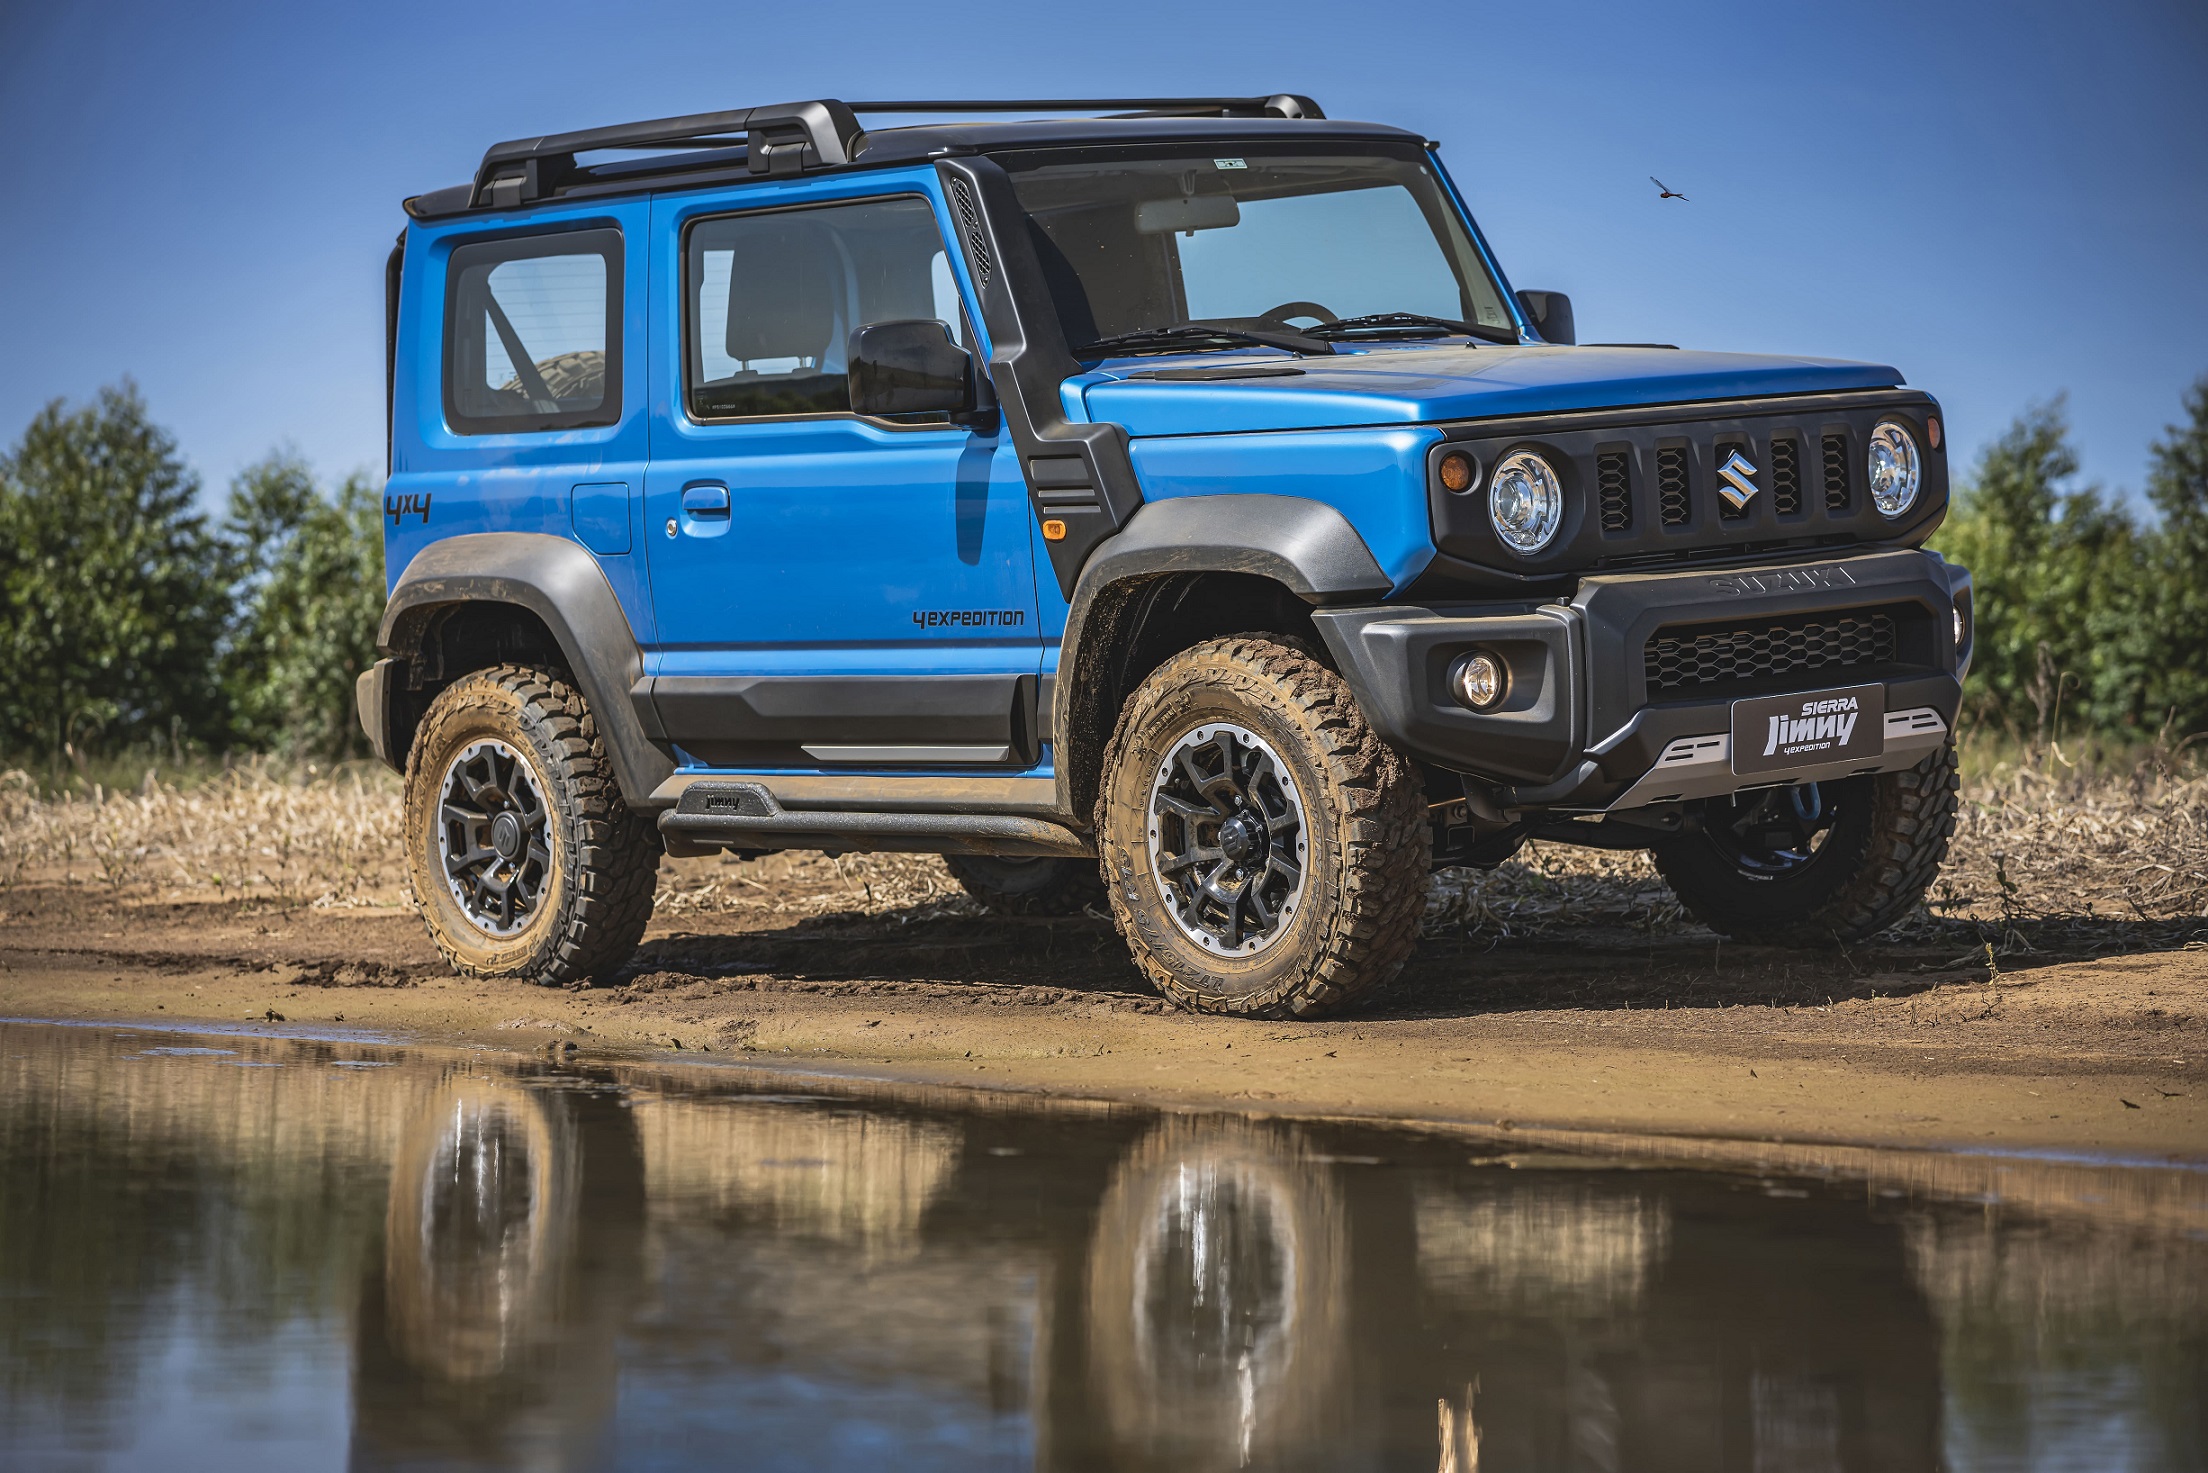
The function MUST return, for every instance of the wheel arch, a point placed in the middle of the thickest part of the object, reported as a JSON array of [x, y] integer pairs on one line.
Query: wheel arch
[[483, 598], [1184, 570]]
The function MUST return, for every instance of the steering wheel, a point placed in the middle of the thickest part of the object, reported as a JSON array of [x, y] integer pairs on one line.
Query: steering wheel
[[1287, 310]]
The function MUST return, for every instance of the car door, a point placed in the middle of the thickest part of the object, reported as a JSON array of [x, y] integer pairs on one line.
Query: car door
[[831, 591]]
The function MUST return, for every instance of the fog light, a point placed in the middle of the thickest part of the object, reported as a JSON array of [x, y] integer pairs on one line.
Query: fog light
[[1961, 629], [1480, 681], [1458, 473]]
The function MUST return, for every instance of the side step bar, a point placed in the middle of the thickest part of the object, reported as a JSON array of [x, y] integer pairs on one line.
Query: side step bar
[[719, 815]]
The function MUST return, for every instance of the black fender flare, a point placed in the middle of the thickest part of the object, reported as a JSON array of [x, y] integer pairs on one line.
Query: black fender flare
[[562, 585], [1306, 546]]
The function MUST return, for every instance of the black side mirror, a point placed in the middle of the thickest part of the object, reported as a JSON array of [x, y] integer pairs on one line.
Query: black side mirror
[[909, 367], [1552, 315]]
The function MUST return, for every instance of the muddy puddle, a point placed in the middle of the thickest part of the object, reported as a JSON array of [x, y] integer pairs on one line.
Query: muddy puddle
[[242, 1253]]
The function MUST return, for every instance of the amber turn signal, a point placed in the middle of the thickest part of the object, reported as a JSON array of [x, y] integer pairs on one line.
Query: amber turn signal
[[1932, 431], [1054, 530], [1457, 471]]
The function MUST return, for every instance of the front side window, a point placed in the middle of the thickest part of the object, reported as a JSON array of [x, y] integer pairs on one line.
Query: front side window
[[1139, 241], [533, 333], [774, 297]]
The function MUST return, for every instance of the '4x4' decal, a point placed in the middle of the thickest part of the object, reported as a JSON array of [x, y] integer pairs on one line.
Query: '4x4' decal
[[412, 504]]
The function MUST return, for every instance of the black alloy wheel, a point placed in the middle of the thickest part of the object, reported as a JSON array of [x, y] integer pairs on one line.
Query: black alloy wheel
[[1227, 840], [491, 836]]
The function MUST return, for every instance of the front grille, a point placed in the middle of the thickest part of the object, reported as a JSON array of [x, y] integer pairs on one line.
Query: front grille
[[1671, 485], [1836, 473], [1677, 660], [1614, 491], [1786, 477], [1648, 492]]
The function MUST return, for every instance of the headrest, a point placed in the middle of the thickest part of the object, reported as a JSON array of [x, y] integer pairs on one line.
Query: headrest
[[781, 300]]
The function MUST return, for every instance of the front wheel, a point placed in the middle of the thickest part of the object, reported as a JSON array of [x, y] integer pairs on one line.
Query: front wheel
[[1816, 863], [525, 861], [1265, 851]]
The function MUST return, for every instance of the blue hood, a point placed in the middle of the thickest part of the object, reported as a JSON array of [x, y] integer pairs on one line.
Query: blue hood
[[1402, 384]]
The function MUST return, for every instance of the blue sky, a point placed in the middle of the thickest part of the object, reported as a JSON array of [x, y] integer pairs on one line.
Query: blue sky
[[2005, 201]]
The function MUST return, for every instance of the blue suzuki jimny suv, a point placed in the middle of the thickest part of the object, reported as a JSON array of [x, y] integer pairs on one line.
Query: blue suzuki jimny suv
[[1175, 508]]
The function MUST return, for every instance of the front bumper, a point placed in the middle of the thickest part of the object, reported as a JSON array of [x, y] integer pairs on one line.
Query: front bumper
[[1592, 722]]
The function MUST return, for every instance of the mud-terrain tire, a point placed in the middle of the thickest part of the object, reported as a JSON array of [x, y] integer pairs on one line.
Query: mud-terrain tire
[[572, 900], [1878, 854], [1350, 819], [1010, 886]]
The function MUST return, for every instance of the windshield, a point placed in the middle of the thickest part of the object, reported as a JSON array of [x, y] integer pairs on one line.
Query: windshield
[[1137, 242]]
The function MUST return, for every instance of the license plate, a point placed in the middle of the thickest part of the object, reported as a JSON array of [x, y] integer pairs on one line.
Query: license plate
[[1775, 733]]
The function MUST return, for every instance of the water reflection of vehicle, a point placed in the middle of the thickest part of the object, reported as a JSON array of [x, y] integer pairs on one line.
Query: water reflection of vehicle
[[511, 1237], [1218, 1298], [930, 1282], [477, 1234]]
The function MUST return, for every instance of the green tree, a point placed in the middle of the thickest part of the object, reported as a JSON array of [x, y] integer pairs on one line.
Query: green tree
[[2178, 622], [2057, 574], [112, 590], [310, 592]]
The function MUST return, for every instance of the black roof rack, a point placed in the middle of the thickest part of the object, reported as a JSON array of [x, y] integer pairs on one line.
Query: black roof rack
[[789, 138]]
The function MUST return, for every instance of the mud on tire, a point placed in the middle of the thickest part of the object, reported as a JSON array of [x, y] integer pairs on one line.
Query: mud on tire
[[1365, 845], [1027, 887], [1878, 854], [572, 900]]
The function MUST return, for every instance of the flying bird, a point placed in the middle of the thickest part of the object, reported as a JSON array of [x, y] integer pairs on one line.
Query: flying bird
[[1668, 191]]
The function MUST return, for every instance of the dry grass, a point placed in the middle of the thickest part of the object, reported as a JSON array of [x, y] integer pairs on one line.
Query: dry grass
[[295, 837], [2072, 849], [2042, 850]]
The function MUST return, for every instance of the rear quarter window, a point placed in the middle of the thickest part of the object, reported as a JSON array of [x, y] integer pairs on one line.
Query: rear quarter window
[[533, 333]]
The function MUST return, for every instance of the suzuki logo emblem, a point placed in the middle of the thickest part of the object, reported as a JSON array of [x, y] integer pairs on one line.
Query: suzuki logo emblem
[[1739, 476]]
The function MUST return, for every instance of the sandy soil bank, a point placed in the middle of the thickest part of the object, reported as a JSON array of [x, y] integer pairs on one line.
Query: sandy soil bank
[[2090, 1041]]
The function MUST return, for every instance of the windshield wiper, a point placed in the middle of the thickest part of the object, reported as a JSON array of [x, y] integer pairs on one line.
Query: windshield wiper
[[1190, 337], [1412, 324]]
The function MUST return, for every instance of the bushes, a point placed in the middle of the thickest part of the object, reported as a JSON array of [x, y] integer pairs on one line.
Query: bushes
[[309, 593], [113, 594], [2086, 617], [127, 621], [2177, 569]]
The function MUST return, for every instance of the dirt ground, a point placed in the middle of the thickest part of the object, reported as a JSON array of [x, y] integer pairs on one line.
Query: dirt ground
[[1563, 992]]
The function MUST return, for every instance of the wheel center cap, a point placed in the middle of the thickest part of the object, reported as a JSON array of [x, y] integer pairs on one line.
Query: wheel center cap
[[506, 836], [1242, 838]]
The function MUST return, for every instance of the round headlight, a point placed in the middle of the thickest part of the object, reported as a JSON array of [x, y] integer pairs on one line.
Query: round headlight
[[1895, 469], [1479, 681], [1525, 501]]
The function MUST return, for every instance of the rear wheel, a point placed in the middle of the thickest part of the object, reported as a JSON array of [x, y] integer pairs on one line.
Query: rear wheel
[[1266, 853], [525, 861], [1819, 862], [1011, 886]]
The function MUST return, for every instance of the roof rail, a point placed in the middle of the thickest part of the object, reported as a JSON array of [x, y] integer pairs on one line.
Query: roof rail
[[1280, 105], [789, 138]]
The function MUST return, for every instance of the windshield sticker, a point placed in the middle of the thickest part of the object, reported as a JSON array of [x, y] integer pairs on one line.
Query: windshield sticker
[[1228, 164]]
